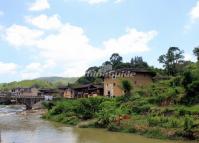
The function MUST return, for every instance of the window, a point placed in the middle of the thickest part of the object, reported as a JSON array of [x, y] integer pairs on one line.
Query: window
[[114, 84], [135, 82], [114, 77], [109, 93]]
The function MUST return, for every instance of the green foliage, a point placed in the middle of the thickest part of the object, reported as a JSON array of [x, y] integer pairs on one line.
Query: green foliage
[[88, 80], [59, 80], [193, 92], [114, 128], [188, 123], [137, 62], [155, 110], [81, 109], [72, 120], [26, 83], [107, 113], [127, 87], [196, 52], [156, 132], [191, 84], [115, 59], [162, 121], [171, 59], [48, 105]]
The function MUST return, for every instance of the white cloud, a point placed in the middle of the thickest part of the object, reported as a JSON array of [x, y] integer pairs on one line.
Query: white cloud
[[118, 1], [193, 17], [18, 35], [31, 71], [1, 28], [92, 2], [133, 41], [189, 57], [95, 2], [195, 12], [45, 22], [7, 68], [39, 5], [68, 48], [36, 69]]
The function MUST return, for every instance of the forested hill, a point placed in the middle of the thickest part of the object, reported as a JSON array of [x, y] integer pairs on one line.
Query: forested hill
[[56, 80], [43, 82]]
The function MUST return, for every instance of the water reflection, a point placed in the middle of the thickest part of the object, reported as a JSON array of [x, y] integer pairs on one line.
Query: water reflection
[[16, 128]]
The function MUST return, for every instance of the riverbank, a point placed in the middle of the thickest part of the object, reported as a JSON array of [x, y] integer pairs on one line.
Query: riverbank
[[37, 109], [37, 112], [132, 115], [16, 128]]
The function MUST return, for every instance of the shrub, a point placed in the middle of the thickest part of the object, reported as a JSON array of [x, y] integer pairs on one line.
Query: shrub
[[48, 105], [127, 87], [141, 109], [158, 121], [70, 120], [107, 113], [157, 133], [153, 121], [87, 108], [188, 123], [84, 109], [183, 111], [174, 123], [114, 128], [193, 93]]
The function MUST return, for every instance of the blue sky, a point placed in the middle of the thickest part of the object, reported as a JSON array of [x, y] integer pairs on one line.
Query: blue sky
[[65, 37]]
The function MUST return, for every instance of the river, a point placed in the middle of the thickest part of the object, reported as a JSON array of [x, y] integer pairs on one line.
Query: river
[[30, 128]]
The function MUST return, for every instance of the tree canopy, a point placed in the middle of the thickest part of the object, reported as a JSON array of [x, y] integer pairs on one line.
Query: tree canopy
[[115, 59], [196, 52], [171, 59]]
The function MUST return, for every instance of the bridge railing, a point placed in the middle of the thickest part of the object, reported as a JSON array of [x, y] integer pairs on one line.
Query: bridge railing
[[18, 96]]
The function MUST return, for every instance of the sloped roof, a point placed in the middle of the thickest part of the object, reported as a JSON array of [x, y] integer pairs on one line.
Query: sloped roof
[[129, 70], [89, 85]]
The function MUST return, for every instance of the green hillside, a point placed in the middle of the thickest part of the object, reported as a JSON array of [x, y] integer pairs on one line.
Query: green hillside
[[42, 82], [56, 80], [26, 83]]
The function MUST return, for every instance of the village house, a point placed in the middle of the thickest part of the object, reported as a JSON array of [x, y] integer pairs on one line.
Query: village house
[[82, 91], [88, 90], [48, 92], [24, 91], [66, 92], [113, 78]]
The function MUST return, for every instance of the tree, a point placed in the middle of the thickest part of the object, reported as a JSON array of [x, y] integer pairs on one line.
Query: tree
[[127, 87], [85, 80], [106, 63], [137, 62], [115, 59], [171, 59], [196, 52], [122, 65], [190, 81], [92, 69]]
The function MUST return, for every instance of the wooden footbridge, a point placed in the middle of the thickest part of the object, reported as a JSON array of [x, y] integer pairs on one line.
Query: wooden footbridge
[[29, 101]]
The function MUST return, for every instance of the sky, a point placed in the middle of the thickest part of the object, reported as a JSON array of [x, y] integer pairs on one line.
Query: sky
[[64, 37]]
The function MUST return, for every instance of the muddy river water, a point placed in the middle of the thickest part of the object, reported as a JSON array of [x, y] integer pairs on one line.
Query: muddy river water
[[30, 128]]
